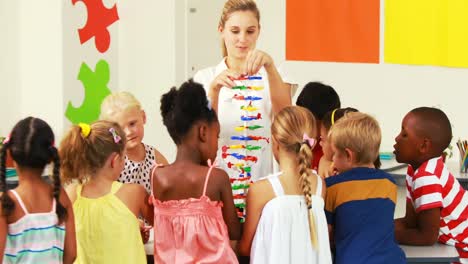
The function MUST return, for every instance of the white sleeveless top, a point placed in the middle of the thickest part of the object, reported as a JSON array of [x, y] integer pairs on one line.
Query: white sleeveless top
[[283, 234]]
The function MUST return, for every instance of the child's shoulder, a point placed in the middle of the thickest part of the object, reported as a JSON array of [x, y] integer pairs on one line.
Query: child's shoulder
[[133, 188], [155, 154], [359, 175]]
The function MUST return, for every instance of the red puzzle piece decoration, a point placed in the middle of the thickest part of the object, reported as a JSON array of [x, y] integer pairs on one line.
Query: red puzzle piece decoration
[[99, 18]]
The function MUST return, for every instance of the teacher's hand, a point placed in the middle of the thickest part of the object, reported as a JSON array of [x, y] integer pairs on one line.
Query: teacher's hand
[[255, 60], [224, 79]]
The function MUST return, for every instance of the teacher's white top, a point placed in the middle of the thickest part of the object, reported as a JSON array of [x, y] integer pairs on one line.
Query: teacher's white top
[[229, 114]]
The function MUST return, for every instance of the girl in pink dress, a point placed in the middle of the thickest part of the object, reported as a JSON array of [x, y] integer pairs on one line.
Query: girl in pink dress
[[193, 206]]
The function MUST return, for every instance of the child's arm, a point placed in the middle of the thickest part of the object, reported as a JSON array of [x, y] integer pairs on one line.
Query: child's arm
[[146, 209], [3, 232], [256, 200], [135, 197], [229, 209], [420, 229], [160, 159], [69, 252]]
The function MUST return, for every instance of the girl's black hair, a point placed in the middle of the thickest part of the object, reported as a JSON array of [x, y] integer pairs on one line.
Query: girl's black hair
[[335, 114], [319, 98], [31, 145], [181, 108]]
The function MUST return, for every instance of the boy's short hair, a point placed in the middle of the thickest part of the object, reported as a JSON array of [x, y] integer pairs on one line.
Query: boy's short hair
[[360, 133], [117, 102], [319, 98], [434, 124]]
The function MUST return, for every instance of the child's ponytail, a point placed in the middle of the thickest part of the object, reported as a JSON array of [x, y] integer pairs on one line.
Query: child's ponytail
[[72, 152], [6, 202], [294, 128], [306, 181], [85, 149], [59, 209]]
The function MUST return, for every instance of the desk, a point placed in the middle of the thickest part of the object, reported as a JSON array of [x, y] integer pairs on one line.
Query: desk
[[437, 253], [398, 171]]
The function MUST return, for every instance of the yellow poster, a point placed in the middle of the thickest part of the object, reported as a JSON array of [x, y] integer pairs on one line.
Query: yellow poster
[[426, 32]]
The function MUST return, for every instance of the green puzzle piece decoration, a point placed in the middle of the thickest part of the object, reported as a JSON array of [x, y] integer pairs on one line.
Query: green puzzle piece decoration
[[95, 85]]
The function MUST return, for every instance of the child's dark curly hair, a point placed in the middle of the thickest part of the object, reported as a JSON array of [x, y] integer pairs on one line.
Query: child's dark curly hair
[[181, 108]]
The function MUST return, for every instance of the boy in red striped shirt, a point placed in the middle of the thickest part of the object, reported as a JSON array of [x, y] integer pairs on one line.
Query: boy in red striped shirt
[[436, 204]]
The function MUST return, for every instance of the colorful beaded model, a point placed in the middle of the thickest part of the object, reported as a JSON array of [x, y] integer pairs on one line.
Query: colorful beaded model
[[243, 156]]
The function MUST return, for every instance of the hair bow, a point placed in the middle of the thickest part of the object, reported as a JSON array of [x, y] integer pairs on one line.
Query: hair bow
[[309, 141], [116, 136], [85, 129], [6, 140]]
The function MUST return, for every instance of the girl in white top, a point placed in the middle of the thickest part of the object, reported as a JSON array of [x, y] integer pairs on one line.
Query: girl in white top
[[239, 28], [286, 220]]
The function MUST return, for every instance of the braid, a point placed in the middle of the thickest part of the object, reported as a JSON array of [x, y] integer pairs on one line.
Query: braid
[[59, 209], [306, 181], [6, 202]]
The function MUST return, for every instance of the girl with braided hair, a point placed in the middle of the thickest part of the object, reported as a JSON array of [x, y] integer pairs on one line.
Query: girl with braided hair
[[286, 220], [36, 220]]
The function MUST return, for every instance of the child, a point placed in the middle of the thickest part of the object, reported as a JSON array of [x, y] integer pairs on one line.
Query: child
[[285, 221], [319, 99], [325, 168], [360, 201], [436, 204], [36, 222], [106, 211], [124, 109], [192, 202]]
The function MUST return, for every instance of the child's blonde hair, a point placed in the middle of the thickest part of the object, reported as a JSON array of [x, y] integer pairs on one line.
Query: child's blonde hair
[[85, 149], [232, 6], [118, 102], [288, 129], [358, 132]]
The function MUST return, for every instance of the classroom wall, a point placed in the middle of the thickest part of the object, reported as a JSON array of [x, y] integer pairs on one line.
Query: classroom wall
[[9, 66], [31, 62], [387, 91], [152, 56], [147, 58]]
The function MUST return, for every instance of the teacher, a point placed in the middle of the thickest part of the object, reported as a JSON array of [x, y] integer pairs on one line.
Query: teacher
[[239, 29]]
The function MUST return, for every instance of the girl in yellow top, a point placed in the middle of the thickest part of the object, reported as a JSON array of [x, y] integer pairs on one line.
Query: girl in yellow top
[[107, 227]]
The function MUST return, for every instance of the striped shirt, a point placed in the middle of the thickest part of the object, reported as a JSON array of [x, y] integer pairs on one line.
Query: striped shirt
[[433, 186], [35, 237], [360, 204]]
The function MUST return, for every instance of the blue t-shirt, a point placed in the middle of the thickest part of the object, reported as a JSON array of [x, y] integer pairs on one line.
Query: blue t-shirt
[[360, 204]]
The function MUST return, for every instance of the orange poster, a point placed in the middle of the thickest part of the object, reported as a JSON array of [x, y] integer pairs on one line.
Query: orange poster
[[333, 30]]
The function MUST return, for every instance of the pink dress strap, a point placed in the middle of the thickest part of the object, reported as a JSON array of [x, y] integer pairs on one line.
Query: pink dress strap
[[211, 165]]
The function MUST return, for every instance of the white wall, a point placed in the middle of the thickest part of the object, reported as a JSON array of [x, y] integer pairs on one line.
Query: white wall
[[31, 69], [9, 67], [147, 59]]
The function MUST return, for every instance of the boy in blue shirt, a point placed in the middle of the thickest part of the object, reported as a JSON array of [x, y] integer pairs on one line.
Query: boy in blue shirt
[[360, 200]]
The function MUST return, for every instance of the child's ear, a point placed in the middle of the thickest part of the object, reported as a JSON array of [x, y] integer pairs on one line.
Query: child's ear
[[425, 146], [144, 116], [350, 155], [203, 132], [114, 159]]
